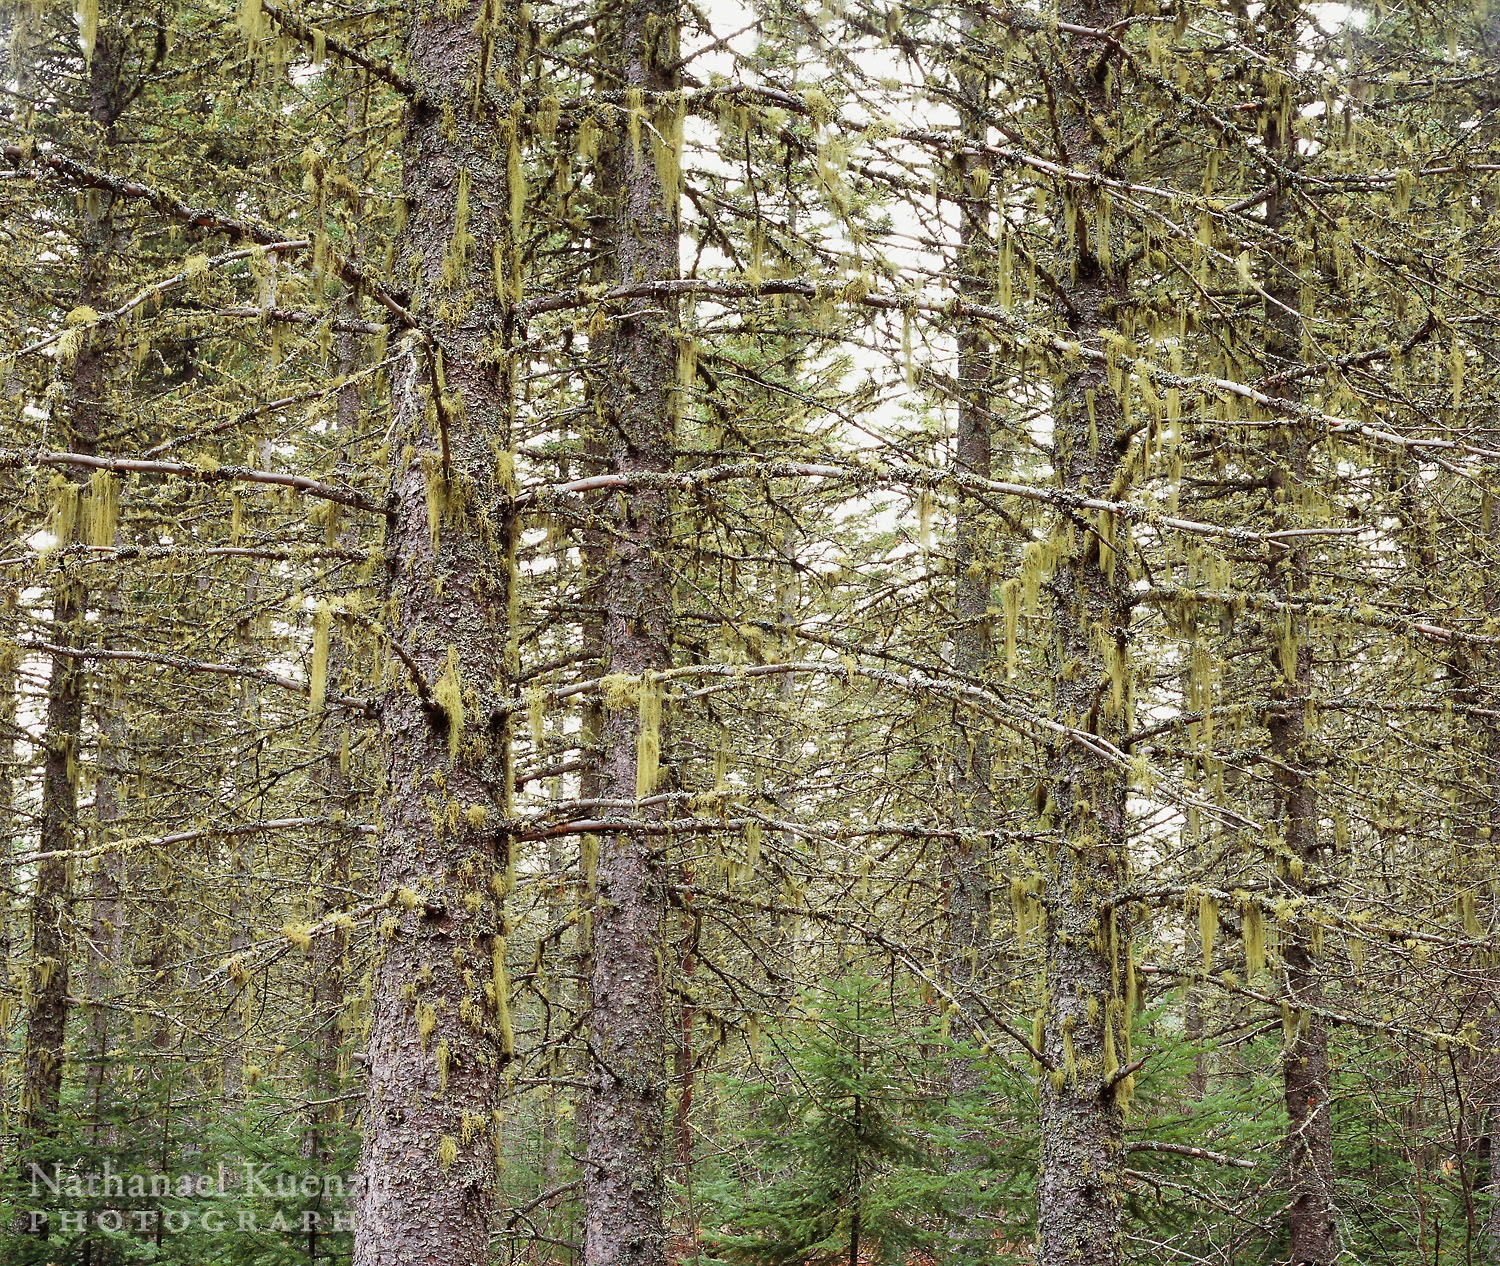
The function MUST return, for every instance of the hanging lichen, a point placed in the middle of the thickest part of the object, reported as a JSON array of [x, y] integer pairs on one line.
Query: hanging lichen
[[1286, 648], [317, 673], [648, 737], [1010, 605], [1253, 930], [536, 712], [252, 20], [1208, 924], [666, 152], [88, 26], [62, 516], [752, 844], [461, 240], [635, 115], [906, 361], [500, 987], [447, 691]]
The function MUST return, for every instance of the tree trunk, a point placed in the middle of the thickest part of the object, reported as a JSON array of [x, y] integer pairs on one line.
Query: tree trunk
[[1305, 1073], [440, 1029], [330, 884], [1087, 958], [10, 657], [1492, 1229], [971, 966], [623, 1181], [104, 956], [47, 1016]]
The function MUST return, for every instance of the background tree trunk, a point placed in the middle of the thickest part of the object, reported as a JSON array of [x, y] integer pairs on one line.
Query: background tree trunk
[[623, 1176], [1305, 1071], [974, 972]]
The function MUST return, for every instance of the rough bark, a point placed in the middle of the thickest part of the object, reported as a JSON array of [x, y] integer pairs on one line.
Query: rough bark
[[623, 1178], [47, 1014], [242, 857], [104, 952], [1492, 1222], [1472, 670], [100, 241], [10, 657], [439, 1029], [1305, 1070], [1085, 1021], [604, 268], [1490, 754], [330, 883], [971, 966]]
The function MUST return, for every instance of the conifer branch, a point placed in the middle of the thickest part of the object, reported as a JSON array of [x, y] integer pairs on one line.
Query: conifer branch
[[13, 459], [82, 176], [313, 36], [364, 706]]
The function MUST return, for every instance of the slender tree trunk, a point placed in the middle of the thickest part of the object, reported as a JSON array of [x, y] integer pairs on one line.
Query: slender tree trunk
[[10, 656], [1305, 1071], [683, 1070], [329, 961], [1192, 994], [241, 854], [440, 1030], [970, 953], [1490, 748], [104, 955], [1087, 956], [47, 1016], [604, 268], [623, 1181], [1473, 671], [1492, 1223]]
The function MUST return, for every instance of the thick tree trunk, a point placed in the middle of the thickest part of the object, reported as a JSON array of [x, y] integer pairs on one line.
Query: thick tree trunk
[[1086, 1024], [623, 1181], [440, 1030], [101, 243]]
